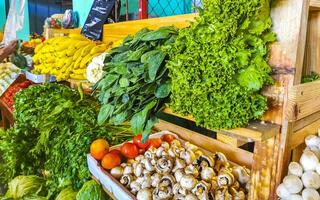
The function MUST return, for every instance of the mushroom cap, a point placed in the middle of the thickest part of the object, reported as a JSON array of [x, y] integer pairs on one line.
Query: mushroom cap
[[167, 180], [207, 173], [117, 172], [293, 184], [176, 143], [179, 174], [188, 182], [144, 194], [191, 197], [225, 178], [205, 161], [309, 160], [162, 193], [164, 165], [126, 180], [179, 197], [310, 179], [310, 194], [201, 187], [295, 169], [191, 169]]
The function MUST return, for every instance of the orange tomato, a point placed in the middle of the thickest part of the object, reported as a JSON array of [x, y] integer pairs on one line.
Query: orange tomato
[[168, 138], [110, 161], [155, 142], [99, 148]]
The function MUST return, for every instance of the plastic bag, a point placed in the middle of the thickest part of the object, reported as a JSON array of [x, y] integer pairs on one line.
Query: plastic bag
[[14, 21], [98, 15], [70, 19]]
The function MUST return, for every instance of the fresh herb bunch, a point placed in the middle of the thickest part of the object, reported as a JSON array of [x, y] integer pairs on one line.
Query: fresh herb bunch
[[53, 129], [218, 65], [136, 81], [310, 77]]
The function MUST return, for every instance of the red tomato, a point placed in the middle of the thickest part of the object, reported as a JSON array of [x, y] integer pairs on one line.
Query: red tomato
[[155, 142], [137, 140], [168, 138], [129, 150], [116, 151]]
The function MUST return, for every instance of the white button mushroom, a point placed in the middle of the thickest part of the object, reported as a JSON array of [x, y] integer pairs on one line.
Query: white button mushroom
[[295, 169], [309, 160], [310, 194], [293, 184], [282, 191], [117, 172], [188, 182], [207, 173], [144, 194], [311, 179]]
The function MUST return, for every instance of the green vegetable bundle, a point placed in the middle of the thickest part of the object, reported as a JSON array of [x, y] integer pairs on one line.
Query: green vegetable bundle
[[91, 191], [54, 127], [219, 64], [136, 82], [26, 187]]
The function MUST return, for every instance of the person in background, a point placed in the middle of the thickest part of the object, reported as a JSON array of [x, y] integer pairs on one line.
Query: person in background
[[7, 50]]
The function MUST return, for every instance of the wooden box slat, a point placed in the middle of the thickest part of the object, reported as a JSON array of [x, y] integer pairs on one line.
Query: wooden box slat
[[255, 131], [235, 155], [303, 100]]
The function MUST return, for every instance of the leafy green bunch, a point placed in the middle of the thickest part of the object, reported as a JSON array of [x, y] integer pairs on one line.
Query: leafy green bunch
[[54, 126], [136, 81], [218, 65]]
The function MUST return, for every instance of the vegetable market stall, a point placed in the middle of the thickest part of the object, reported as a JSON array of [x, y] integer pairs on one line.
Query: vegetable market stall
[[286, 59]]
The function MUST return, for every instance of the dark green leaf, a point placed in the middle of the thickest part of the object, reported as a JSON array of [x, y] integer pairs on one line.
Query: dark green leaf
[[147, 130], [139, 119], [105, 112], [163, 90]]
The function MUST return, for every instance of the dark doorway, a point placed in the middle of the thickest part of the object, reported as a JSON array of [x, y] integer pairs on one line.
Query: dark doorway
[[39, 10]]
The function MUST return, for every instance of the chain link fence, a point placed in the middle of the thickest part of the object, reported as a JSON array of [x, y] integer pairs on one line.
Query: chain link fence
[[161, 8]]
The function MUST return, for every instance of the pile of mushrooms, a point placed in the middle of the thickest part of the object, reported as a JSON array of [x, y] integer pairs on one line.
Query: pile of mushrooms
[[177, 172], [303, 179]]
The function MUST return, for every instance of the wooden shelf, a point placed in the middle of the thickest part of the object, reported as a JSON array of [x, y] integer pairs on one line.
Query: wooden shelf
[[255, 131]]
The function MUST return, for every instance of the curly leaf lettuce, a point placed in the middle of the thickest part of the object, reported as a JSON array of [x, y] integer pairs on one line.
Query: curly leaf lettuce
[[218, 65]]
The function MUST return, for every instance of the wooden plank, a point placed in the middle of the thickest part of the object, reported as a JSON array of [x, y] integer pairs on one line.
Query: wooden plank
[[298, 137], [230, 140], [312, 60], [122, 29], [255, 131], [235, 155], [303, 100], [286, 55], [306, 121], [315, 4]]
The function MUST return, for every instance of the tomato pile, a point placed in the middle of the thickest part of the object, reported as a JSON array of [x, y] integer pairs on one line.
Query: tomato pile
[[99, 149], [12, 90]]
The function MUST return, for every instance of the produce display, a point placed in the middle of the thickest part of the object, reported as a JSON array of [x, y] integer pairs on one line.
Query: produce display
[[53, 129], [218, 65], [171, 169], [8, 74], [11, 92], [303, 179], [66, 57], [136, 83]]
